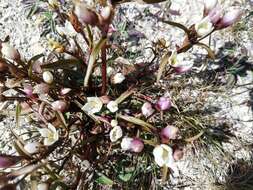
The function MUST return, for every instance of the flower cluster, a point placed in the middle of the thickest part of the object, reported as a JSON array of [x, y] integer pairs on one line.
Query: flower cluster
[[83, 107]]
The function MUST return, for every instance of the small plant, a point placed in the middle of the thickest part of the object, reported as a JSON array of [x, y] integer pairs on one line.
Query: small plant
[[95, 121]]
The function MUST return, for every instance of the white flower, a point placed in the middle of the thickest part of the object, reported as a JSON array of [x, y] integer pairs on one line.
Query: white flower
[[177, 60], [109, 71], [97, 72], [115, 133], [118, 78], [48, 77], [67, 29], [50, 135], [126, 143], [163, 155], [112, 106], [180, 62], [42, 186], [204, 27], [93, 105], [32, 147], [9, 51], [114, 123]]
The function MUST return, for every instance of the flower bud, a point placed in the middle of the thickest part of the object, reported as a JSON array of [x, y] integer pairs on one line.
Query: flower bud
[[163, 103], [185, 67], [215, 15], [106, 13], [65, 91], [132, 144], [229, 18], [85, 15], [136, 145], [32, 147], [126, 143], [169, 132], [147, 109], [178, 154], [59, 105], [28, 90], [209, 5], [48, 77], [8, 161], [36, 66], [118, 78], [10, 52], [42, 186]]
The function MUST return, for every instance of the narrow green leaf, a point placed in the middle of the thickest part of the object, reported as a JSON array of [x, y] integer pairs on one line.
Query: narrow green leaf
[[102, 179], [18, 111], [146, 126], [125, 177], [92, 60]]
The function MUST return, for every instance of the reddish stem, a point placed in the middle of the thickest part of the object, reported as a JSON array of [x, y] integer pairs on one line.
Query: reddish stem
[[104, 78]]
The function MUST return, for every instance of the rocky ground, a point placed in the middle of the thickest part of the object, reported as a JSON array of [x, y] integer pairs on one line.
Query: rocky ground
[[195, 171]]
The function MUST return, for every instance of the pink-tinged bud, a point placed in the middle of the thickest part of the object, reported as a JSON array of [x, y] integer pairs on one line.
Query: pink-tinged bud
[[28, 90], [36, 67], [10, 52], [65, 91], [163, 103], [136, 145], [215, 15], [147, 109], [8, 161], [229, 18], [178, 154], [106, 13], [41, 88], [85, 15], [209, 5], [132, 144], [32, 147], [183, 68], [169, 132], [59, 105]]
